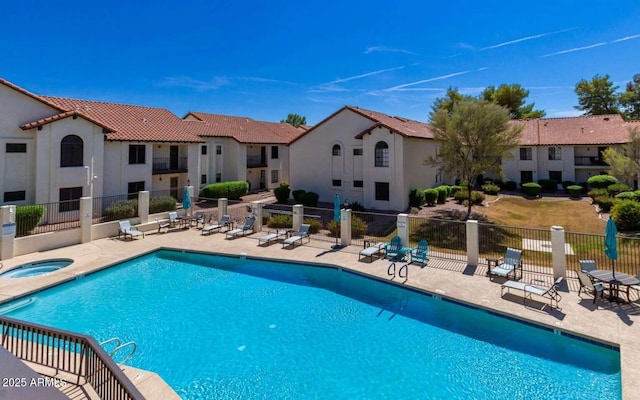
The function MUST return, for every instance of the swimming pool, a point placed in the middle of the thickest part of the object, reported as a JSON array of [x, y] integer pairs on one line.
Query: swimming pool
[[260, 329], [37, 268]]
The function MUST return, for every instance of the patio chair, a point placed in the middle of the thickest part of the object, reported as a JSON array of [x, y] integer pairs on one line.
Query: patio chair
[[224, 222], [529, 289], [248, 226], [587, 266], [163, 224], [272, 236], [419, 253], [375, 250], [394, 249], [125, 229], [508, 265], [174, 220], [634, 287], [303, 233], [198, 218], [587, 285]]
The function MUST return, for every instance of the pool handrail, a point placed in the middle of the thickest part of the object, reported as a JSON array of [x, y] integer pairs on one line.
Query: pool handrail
[[54, 348]]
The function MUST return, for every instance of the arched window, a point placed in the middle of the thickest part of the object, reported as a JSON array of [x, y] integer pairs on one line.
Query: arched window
[[382, 154], [336, 150], [71, 151]]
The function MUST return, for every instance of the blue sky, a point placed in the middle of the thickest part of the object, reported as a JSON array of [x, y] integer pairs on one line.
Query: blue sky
[[265, 59]]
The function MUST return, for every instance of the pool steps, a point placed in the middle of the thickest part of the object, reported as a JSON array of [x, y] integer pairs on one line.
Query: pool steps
[[17, 306], [120, 346]]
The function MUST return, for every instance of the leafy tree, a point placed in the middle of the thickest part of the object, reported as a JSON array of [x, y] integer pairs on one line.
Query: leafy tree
[[295, 120], [597, 96], [447, 102], [474, 137], [512, 97], [625, 164], [630, 99]]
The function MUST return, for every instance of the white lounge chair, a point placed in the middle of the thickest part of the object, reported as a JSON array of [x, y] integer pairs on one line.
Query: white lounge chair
[[302, 234], [248, 226], [550, 293], [163, 224], [126, 229], [375, 250], [224, 222], [272, 236]]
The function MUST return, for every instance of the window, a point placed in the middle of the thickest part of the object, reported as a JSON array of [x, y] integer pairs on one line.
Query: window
[[357, 152], [133, 188], [71, 151], [555, 153], [203, 150], [336, 150], [218, 177], [137, 153], [218, 149], [336, 182], [203, 179], [357, 184], [16, 147], [556, 176], [69, 199], [382, 191], [525, 153], [14, 196], [274, 152], [275, 176], [382, 154], [526, 176]]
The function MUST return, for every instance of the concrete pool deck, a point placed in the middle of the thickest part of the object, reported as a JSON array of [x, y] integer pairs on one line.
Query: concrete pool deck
[[602, 321]]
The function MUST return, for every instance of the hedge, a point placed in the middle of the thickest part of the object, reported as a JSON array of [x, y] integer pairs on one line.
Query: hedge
[[297, 195], [511, 185], [358, 227], [626, 195], [618, 188], [232, 190], [282, 193], [314, 224], [604, 202], [443, 190], [531, 189], [602, 192], [491, 188], [601, 181], [309, 199], [280, 221], [430, 196], [416, 198], [574, 190], [476, 197], [28, 217], [161, 204], [548, 185], [626, 214], [122, 209]]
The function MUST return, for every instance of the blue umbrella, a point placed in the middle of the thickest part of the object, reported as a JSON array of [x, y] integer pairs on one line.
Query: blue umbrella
[[336, 211], [186, 199], [610, 245]]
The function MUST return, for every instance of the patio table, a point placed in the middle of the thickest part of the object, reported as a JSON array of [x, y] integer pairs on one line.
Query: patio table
[[614, 280]]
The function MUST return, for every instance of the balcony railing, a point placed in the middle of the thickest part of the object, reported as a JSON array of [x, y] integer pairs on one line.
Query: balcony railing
[[590, 161], [163, 165], [256, 161]]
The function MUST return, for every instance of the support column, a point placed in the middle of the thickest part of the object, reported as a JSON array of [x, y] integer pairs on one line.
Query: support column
[[298, 216], [473, 243], [403, 228], [558, 255], [86, 213], [256, 209], [143, 206], [8, 222], [345, 227], [222, 207]]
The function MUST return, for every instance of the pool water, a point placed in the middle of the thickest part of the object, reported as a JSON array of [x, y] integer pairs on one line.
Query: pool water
[[218, 327], [36, 268]]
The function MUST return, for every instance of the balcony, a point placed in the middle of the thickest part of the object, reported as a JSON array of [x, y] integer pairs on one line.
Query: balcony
[[589, 161], [167, 165], [256, 161]]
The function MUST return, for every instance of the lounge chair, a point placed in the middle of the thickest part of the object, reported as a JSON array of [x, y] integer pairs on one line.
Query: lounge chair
[[224, 222], [248, 226], [303, 233], [394, 249], [508, 265], [198, 218], [529, 289], [587, 285], [163, 224], [174, 220], [272, 236], [419, 253], [126, 229], [375, 250]]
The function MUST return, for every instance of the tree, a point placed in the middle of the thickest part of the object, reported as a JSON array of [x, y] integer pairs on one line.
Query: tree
[[630, 99], [447, 102], [512, 97], [295, 120], [473, 139], [597, 96], [625, 164]]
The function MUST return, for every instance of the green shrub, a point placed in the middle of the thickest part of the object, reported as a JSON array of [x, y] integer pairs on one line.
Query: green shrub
[[282, 193], [566, 184], [358, 227], [511, 185], [604, 202], [491, 188], [279, 221], [593, 193], [476, 197], [637, 194], [626, 195], [297, 195], [601, 181], [231, 190], [455, 189], [626, 214], [442, 193], [309, 199], [122, 210], [617, 188], [430, 196], [27, 218], [574, 190], [531, 189], [416, 198], [355, 206], [266, 216], [449, 190], [314, 224], [161, 204], [548, 185]]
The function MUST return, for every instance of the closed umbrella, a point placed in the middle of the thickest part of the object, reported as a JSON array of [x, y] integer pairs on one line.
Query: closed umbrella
[[336, 212], [186, 200], [610, 245]]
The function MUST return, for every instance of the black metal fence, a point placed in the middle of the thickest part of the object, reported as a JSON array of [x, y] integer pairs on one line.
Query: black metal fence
[[47, 217], [376, 227], [535, 243], [111, 208], [446, 238], [68, 352], [175, 192], [588, 246]]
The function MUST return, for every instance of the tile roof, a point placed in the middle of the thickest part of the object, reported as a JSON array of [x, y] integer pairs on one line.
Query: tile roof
[[243, 129], [129, 122], [402, 126], [27, 93], [66, 114], [584, 130]]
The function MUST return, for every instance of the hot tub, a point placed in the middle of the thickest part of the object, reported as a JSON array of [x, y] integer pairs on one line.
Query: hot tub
[[37, 268]]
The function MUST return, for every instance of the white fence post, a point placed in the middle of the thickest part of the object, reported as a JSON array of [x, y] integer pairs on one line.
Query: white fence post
[[143, 206], [86, 218], [256, 209], [298, 216], [345, 227], [8, 222], [558, 257], [222, 207], [402, 224], [473, 243]]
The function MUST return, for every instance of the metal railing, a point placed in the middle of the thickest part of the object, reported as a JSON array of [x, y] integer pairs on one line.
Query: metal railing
[[589, 161], [320, 220], [47, 217], [535, 243], [589, 246], [446, 238], [376, 227], [68, 352], [167, 164], [175, 192], [111, 208], [254, 161]]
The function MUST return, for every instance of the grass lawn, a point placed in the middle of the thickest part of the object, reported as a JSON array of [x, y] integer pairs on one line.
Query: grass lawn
[[572, 215]]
